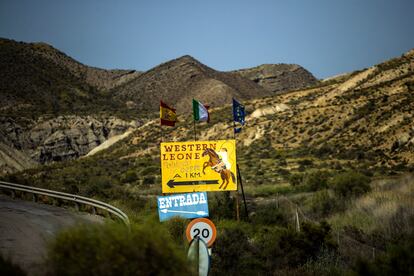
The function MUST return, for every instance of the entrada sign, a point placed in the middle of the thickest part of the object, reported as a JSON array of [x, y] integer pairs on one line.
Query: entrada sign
[[191, 205], [198, 166]]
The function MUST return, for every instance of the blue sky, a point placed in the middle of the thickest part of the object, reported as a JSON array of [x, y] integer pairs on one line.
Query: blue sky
[[327, 37]]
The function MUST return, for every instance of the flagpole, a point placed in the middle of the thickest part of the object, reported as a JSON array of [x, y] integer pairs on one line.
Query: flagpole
[[237, 203], [237, 117], [195, 132], [237, 191], [241, 185]]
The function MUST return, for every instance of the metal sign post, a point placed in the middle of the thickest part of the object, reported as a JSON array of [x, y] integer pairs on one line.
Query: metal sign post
[[199, 257]]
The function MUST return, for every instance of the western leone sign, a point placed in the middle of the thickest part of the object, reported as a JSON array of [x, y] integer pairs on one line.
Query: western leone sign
[[198, 166], [191, 205]]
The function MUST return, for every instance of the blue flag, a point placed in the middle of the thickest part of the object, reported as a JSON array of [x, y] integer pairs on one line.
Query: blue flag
[[238, 114]]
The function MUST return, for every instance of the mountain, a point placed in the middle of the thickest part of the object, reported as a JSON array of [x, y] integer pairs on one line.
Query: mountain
[[364, 115], [358, 121], [100, 79], [52, 111], [334, 156], [178, 81], [53, 107], [279, 78], [38, 79]]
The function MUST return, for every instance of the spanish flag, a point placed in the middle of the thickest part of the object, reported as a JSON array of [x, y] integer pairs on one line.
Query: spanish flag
[[167, 115]]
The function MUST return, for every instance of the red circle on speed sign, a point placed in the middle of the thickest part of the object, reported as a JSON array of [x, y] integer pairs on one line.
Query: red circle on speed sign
[[203, 228]]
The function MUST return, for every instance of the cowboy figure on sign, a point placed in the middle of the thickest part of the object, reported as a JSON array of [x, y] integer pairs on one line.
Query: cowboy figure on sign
[[220, 164]]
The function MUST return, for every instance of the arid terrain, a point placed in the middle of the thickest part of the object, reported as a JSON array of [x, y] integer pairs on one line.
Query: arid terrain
[[327, 165]]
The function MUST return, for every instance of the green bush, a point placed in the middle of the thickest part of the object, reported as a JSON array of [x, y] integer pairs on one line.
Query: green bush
[[233, 254], [323, 203], [111, 249], [150, 179], [129, 176], [397, 260], [270, 214], [327, 263], [323, 151], [9, 268], [98, 185], [296, 179], [305, 162], [315, 180], [222, 205], [297, 248], [284, 248], [150, 170], [176, 228], [350, 184]]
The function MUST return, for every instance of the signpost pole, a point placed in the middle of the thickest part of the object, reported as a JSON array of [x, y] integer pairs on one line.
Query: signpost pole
[[241, 185], [199, 257], [237, 206]]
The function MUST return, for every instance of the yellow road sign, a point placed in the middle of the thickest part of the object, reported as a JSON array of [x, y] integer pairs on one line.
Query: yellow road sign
[[198, 166]]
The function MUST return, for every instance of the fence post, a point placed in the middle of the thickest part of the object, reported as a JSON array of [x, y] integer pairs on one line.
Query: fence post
[[337, 238], [297, 220]]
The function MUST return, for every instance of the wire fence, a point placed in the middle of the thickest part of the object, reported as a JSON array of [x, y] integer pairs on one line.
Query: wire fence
[[346, 243]]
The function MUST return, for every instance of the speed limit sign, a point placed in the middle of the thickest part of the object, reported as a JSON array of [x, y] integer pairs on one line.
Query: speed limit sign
[[202, 228]]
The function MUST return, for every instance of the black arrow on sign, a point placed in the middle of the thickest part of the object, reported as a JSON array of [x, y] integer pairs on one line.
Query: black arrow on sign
[[172, 183]]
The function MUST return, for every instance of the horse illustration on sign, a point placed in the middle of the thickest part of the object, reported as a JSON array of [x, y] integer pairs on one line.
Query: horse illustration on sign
[[219, 164]]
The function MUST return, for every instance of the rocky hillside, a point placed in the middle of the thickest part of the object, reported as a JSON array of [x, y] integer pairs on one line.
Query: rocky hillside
[[51, 113], [364, 115], [54, 108], [328, 155], [61, 138], [279, 78], [180, 80], [363, 119]]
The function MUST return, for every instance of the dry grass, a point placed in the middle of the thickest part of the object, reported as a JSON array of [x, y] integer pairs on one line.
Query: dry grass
[[381, 208]]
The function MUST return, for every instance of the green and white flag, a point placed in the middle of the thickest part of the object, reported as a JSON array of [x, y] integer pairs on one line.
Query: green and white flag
[[200, 112]]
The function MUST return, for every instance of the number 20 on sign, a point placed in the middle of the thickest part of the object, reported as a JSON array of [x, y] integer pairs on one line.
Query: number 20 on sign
[[202, 228]]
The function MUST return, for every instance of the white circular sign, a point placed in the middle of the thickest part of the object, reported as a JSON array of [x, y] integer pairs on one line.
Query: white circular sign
[[202, 228]]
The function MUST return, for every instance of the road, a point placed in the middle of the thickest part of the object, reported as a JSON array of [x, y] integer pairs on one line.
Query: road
[[26, 227]]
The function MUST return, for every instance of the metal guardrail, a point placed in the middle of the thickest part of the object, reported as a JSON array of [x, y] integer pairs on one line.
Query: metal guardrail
[[70, 197]]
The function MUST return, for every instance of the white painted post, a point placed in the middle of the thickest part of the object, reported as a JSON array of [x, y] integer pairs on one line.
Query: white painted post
[[297, 221]]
